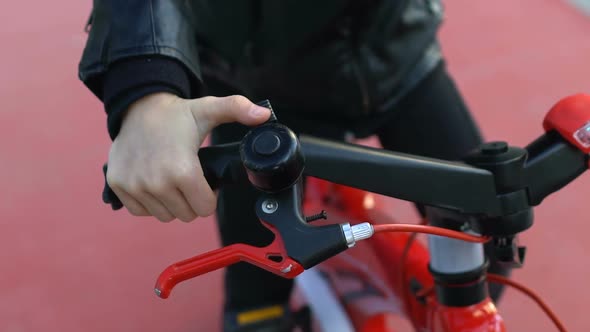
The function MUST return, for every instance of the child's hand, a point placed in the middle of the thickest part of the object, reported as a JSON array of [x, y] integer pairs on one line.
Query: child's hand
[[153, 163]]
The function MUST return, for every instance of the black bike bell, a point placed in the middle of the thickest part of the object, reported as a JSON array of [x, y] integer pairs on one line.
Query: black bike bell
[[272, 157]]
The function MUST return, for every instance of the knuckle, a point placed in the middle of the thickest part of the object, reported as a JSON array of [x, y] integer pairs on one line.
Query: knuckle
[[207, 99], [236, 102], [134, 188], [158, 186], [187, 218], [113, 179], [135, 211], [184, 175], [197, 106], [207, 209], [165, 218]]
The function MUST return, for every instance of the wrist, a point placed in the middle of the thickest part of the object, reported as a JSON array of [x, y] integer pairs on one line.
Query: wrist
[[145, 107], [119, 109], [155, 99]]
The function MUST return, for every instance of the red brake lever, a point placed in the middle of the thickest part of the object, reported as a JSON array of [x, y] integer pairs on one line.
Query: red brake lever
[[272, 258]]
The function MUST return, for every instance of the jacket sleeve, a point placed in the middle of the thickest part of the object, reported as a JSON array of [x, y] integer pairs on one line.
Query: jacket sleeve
[[131, 79], [123, 30]]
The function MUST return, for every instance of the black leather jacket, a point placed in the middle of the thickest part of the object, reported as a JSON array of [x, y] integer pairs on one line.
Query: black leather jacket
[[357, 57]]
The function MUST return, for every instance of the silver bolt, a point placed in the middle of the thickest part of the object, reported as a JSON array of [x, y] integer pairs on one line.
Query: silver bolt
[[158, 292], [269, 206], [287, 269]]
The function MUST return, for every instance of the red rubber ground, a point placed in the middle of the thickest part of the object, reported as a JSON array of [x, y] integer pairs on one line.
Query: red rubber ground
[[70, 264]]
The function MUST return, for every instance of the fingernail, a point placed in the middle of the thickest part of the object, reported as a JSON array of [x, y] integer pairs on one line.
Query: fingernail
[[257, 111]]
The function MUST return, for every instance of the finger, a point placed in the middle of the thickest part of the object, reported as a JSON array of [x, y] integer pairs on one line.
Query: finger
[[132, 205], [198, 193], [217, 110], [176, 203], [154, 206]]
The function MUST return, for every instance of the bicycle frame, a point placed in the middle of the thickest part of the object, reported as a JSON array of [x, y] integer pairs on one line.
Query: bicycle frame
[[385, 290]]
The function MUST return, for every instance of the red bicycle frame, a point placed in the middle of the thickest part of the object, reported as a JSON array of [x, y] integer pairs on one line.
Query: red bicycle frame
[[388, 256]]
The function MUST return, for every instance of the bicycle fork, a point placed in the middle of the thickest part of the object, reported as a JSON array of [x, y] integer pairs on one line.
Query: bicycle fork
[[461, 302]]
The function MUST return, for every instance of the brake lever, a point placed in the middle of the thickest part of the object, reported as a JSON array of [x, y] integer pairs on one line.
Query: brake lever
[[273, 258], [297, 245]]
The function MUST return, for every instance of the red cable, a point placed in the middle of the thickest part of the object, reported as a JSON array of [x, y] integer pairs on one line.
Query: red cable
[[470, 238], [402, 270], [429, 230], [530, 293]]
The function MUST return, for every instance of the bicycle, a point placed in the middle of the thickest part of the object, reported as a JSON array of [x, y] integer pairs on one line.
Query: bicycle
[[441, 287]]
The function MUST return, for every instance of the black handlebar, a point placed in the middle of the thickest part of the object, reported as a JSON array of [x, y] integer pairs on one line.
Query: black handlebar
[[497, 183], [450, 185]]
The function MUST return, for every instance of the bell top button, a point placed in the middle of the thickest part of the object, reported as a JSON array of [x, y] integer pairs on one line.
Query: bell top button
[[266, 144], [494, 148]]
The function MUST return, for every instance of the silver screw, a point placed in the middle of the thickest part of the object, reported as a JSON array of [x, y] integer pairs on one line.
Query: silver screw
[[269, 206], [287, 269]]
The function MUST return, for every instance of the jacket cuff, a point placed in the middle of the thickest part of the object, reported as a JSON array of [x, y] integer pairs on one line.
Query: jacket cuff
[[118, 107], [129, 80]]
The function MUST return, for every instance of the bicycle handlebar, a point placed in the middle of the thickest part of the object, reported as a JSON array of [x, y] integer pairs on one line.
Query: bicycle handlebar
[[495, 181], [498, 184]]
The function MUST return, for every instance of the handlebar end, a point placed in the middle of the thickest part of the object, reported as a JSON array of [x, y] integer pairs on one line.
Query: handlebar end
[[108, 195], [570, 117]]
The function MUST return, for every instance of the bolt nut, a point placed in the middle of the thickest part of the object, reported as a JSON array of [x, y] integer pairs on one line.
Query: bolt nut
[[270, 206]]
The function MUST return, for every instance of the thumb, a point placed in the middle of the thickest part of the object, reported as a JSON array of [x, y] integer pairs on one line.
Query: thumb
[[214, 111]]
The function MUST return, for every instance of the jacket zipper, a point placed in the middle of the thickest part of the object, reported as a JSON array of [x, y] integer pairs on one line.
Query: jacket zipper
[[363, 87], [346, 32]]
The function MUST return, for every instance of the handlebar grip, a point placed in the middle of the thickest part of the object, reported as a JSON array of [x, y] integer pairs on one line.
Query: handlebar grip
[[221, 165], [108, 195]]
